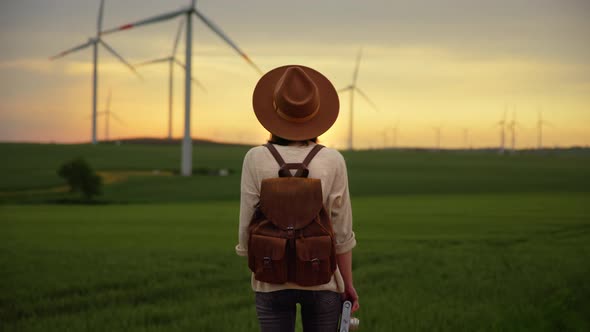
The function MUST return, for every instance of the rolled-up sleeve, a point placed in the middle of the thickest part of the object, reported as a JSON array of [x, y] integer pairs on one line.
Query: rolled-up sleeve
[[340, 210], [249, 197]]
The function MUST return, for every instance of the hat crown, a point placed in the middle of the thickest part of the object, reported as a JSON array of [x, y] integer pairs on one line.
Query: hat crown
[[295, 102], [296, 96]]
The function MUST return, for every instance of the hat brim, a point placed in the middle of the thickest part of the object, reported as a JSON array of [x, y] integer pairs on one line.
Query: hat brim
[[262, 102]]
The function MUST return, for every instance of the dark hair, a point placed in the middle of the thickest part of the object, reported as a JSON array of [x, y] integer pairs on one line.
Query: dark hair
[[274, 139]]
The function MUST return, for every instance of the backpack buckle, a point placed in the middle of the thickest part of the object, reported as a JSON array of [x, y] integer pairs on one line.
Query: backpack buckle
[[315, 264], [267, 261], [290, 231]]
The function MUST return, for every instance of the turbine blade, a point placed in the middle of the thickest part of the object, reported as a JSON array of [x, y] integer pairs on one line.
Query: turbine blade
[[223, 36], [199, 84], [178, 34], [345, 89], [118, 118], [194, 80], [100, 17], [73, 49], [176, 61], [149, 20], [99, 22], [118, 56], [150, 62], [360, 92], [356, 68], [109, 101]]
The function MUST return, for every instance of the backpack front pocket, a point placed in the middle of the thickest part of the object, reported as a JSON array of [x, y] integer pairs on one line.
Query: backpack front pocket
[[315, 264], [266, 258]]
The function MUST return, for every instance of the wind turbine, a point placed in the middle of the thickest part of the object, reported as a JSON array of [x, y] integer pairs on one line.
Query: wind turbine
[[384, 133], [395, 132], [172, 60], [540, 124], [502, 124], [512, 128], [186, 163], [108, 113], [466, 142], [354, 88], [94, 42], [437, 131]]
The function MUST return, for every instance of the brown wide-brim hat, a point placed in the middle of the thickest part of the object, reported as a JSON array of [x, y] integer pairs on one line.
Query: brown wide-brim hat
[[295, 102]]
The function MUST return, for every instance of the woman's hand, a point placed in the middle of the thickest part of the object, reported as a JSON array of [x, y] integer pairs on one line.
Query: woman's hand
[[345, 265], [351, 295]]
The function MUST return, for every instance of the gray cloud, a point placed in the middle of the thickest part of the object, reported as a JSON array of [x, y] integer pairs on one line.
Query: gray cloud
[[532, 28]]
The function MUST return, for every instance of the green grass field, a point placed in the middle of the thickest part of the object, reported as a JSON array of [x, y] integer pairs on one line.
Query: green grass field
[[451, 241]]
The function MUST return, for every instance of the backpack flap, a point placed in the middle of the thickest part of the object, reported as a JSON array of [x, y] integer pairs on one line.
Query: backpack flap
[[291, 203], [267, 246], [312, 248]]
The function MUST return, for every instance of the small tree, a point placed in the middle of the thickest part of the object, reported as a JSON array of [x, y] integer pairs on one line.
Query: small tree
[[81, 178]]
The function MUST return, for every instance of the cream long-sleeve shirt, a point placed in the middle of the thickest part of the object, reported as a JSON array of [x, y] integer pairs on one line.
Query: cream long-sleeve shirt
[[328, 166]]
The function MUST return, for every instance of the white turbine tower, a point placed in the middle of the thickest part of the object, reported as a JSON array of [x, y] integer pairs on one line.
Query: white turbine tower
[[108, 113], [385, 134], [437, 137], [502, 124], [540, 124], [394, 133], [94, 42], [186, 163], [512, 126], [354, 88], [172, 60], [466, 143]]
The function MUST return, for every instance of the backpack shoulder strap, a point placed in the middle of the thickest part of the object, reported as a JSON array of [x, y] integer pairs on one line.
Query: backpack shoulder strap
[[284, 167], [303, 171], [275, 153], [312, 154]]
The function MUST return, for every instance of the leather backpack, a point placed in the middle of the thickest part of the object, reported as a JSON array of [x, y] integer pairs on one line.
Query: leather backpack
[[291, 237]]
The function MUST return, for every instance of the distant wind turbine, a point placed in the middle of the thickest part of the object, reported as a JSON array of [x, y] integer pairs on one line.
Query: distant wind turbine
[[108, 113], [394, 133], [172, 60], [187, 161], [437, 131], [502, 125], [512, 125], [540, 124], [354, 88], [94, 42], [385, 135], [466, 142]]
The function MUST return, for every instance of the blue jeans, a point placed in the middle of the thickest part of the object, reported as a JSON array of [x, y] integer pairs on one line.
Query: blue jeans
[[320, 310]]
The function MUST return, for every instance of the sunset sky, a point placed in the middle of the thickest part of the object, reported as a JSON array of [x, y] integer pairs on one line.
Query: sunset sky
[[455, 64]]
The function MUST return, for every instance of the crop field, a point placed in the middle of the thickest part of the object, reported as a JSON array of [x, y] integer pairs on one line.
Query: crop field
[[449, 241]]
